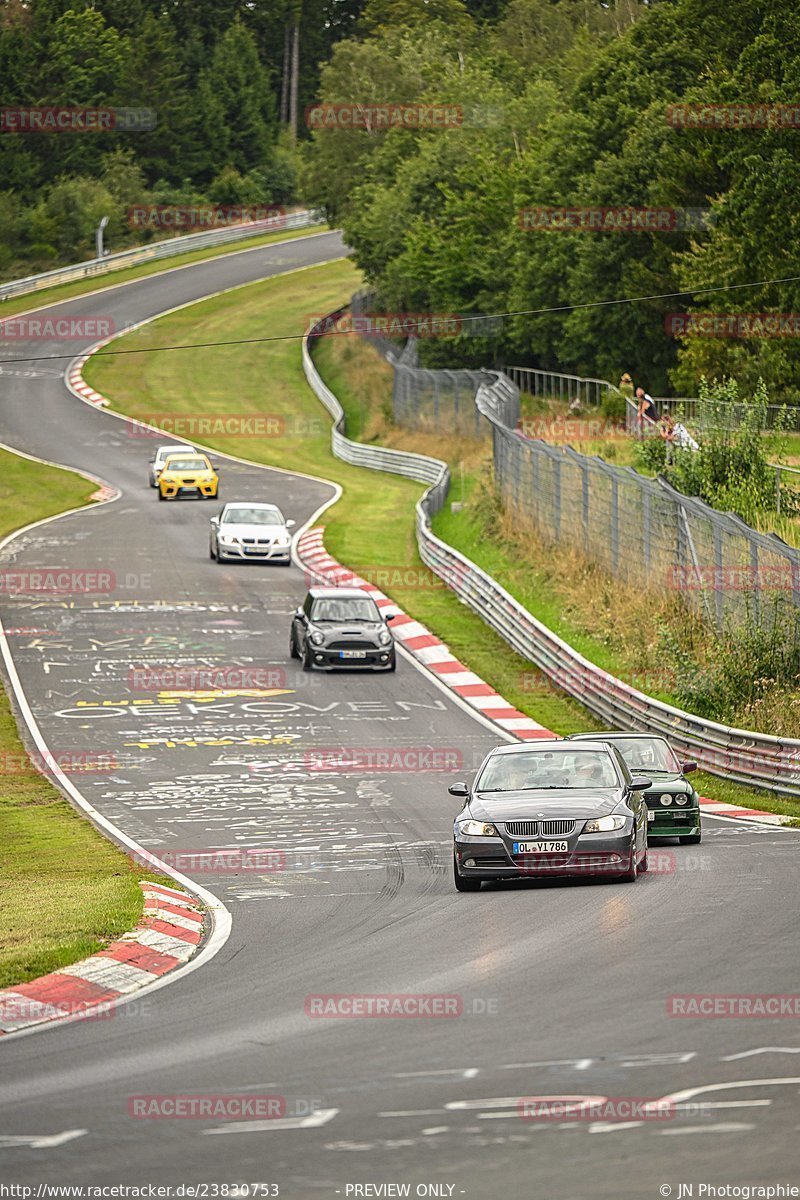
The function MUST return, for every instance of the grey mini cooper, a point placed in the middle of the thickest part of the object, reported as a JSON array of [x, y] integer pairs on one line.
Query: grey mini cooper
[[338, 627]]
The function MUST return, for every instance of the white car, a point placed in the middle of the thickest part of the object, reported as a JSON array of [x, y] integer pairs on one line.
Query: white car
[[160, 457], [245, 529]]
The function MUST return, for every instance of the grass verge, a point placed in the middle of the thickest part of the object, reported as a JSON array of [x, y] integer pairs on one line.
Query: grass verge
[[65, 891]]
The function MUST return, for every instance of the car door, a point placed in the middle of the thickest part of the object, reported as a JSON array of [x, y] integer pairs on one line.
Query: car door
[[636, 802]]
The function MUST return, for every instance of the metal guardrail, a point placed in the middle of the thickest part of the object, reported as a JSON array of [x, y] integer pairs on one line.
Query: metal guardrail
[[740, 755], [554, 385], [157, 250]]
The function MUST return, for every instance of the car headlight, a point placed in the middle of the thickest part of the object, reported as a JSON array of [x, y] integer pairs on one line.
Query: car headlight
[[228, 539], [681, 799], [665, 799], [384, 637], [477, 829], [283, 539], [317, 637], [604, 824]]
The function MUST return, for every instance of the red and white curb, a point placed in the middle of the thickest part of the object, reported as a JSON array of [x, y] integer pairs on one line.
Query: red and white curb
[[166, 938], [419, 641], [79, 384], [434, 654]]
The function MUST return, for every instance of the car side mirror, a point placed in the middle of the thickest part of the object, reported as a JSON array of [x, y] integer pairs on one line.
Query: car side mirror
[[640, 783], [152, 460], [688, 767], [215, 520], [458, 789], [390, 616], [298, 612], [290, 524]]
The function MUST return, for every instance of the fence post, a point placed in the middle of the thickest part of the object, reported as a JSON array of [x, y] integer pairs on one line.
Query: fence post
[[585, 505], [719, 599], [646, 518], [614, 523]]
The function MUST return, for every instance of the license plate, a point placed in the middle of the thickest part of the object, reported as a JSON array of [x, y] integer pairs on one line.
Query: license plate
[[651, 816], [352, 654], [541, 847]]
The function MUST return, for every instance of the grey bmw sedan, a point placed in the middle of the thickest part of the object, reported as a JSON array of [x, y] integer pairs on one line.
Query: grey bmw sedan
[[553, 808]]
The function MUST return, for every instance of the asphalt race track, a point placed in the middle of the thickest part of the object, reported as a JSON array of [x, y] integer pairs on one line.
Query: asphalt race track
[[563, 988]]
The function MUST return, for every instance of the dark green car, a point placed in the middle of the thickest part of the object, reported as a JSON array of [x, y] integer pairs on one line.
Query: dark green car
[[673, 804]]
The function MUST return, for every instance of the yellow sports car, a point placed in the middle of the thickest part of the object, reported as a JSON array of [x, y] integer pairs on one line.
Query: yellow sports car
[[188, 474]]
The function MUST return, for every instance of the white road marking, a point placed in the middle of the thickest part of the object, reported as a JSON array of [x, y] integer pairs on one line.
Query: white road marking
[[762, 1050], [689, 1093], [722, 1127], [413, 1112], [39, 1141], [704, 1104], [435, 1129], [613, 1126], [312, 1121]]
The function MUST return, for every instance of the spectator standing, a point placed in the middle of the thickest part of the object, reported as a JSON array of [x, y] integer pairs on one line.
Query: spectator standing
[[646, 409]]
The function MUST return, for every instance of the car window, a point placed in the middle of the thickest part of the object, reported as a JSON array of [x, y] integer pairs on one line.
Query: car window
[[345, 608], [647, 754], [252, 516], [530, 770], [162, 455], [175, 463]]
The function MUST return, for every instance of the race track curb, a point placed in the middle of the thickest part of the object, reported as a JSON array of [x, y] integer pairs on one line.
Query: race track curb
[[167, 937]]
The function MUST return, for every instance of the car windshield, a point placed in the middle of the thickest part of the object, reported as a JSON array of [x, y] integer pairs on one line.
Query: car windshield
[[252, 516], [647, 754], [530, 770], [187, 464], [345, 608], [163, 455]]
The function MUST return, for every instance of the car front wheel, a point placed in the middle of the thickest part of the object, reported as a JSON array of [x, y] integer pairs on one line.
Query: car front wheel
[[632, 874], [293, 651], [306, 657]]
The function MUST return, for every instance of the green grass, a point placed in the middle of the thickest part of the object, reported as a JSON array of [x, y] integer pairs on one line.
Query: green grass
[[65, 891], [372, 525], [65, 291]]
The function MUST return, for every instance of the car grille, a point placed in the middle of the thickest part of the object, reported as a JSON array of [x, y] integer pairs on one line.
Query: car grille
[[522, 828], [535, 828], [351, 645], [256, 541], [188, 481], [557, 828]]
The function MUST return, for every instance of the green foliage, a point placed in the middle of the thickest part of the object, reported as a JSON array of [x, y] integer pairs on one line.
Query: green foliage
[[613, 406], [750, 661], [651, 453], [731, 470]]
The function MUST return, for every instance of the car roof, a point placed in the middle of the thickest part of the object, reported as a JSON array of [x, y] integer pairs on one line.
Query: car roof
[[250, 504], [347, 592], [546, 744], [176, 446], [182, 451]]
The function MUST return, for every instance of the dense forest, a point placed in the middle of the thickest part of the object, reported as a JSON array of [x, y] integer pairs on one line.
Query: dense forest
[[560, 104]]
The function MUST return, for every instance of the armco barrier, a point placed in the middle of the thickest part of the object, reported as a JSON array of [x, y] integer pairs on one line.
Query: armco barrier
[[740, 755], [156, 250]]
